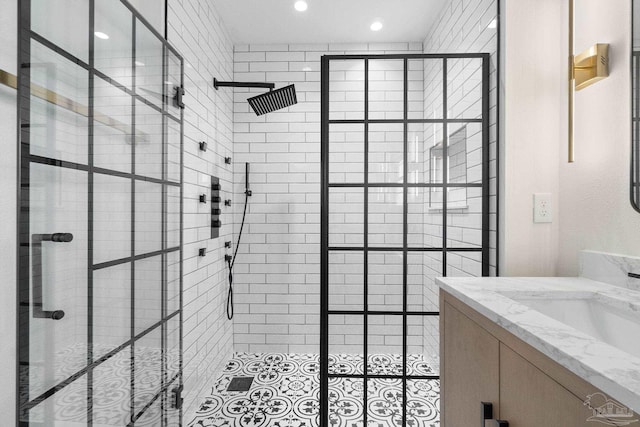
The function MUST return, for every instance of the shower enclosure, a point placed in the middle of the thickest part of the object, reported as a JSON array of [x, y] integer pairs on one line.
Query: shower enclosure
[[405, 199], [100, 242]]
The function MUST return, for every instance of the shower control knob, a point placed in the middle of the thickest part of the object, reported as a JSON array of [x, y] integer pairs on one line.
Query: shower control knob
[[227, 202], [216, 223], [215, 199], [216, 211], [216, 187], [203, 198]]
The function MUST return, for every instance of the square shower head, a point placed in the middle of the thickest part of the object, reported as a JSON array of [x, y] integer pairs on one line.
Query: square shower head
[[274, 100]]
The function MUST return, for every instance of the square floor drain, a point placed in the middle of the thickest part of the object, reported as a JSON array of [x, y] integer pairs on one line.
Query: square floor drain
[[240, 384]]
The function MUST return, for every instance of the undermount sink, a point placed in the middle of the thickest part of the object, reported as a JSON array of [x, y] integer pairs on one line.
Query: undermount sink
[[609, 320]]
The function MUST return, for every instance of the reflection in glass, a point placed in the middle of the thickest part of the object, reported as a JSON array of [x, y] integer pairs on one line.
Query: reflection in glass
[[59, 99]]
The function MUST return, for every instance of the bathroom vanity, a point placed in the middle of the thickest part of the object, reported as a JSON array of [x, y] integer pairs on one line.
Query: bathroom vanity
[[536, 349]]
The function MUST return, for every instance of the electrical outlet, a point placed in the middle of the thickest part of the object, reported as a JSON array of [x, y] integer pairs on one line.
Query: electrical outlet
[[542, 209]]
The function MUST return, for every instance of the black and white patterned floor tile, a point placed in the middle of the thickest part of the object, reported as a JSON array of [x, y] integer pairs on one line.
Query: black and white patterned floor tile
[[111, 400], [285, 393]]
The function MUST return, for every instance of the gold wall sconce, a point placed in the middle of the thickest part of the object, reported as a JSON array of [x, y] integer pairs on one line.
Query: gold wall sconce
[[585, 69]]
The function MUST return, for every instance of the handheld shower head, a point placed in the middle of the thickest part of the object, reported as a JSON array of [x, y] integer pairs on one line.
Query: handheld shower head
[[247, 191]]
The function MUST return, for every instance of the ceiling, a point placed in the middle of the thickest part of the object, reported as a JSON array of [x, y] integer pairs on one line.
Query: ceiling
[[328, 21]]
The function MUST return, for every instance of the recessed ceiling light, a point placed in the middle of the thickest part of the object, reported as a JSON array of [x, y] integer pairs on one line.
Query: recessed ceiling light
[[101, 35], [307, 68], [493, 24], [139, 63], [301, 6], [376, 26]]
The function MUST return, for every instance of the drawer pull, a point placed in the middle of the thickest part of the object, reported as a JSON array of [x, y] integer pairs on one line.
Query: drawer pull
[[486, 409]]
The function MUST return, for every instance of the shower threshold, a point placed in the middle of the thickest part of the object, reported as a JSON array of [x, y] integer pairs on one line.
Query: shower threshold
[[285, 392]]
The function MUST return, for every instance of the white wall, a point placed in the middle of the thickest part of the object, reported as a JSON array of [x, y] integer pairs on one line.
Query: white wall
[[595, 212], [590, 196], [198, 34], [8, 189], [534, 114]]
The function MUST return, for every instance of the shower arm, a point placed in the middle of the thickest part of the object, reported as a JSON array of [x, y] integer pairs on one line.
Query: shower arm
[[217, 84]]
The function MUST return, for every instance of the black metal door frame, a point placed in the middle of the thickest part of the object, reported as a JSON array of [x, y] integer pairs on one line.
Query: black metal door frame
[[24, 303], [324, 227]]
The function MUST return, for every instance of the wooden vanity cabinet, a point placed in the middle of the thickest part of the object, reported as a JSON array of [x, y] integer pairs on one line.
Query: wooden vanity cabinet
[[482, 362]]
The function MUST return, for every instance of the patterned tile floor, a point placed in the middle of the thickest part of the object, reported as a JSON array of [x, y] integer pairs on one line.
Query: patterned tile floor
[[285, 391]]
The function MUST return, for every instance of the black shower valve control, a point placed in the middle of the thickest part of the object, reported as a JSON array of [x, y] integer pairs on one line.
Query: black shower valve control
[[203, 198], [227, 244], [228, 258], [216, 224], [227, 202], [202, 145], [202, 252], [227, 160]]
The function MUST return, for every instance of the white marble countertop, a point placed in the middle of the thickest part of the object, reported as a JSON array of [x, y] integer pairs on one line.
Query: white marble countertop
[[615, 372]]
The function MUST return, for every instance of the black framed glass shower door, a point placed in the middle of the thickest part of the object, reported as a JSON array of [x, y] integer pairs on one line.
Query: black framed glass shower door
[[404, 199], [100, 258]]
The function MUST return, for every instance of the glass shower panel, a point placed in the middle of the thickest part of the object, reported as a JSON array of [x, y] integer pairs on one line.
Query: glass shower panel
[[420, 205], [385, 215], [346, 90], [56, 411], [114, 56], [346, 280], [386, 89], [464, 88], [149, 66], [111, 218], [64, 23], [58, 204], [111, 308], [59, 99], [346, 212], [148, 293], [112, 130], [385, 276], [346, 152], [346, 344], [100, 221], [464, 153], [149, 137], [423, 345], [432, 88], [464, 264], [464, 217], [386, 153], [384, 345]]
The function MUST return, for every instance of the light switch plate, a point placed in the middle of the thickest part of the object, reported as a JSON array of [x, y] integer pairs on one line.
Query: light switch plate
[[542, 209]]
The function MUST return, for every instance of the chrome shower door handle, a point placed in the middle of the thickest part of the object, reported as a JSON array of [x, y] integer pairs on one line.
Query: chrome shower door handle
[[36, 273]]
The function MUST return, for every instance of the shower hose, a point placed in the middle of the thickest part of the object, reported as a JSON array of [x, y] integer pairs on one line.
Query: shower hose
[[232, 260]]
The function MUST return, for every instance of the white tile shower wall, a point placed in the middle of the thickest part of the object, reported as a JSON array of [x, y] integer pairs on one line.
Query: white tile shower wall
[[462, 27], [195, 29], [8, 186], [277, 274]]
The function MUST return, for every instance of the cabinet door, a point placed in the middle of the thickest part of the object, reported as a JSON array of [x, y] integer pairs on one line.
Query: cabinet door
[[530, 398], [470, 369]]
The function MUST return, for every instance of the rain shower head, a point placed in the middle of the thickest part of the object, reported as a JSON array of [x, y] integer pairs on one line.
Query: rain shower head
[[274, 100], [267, 102]]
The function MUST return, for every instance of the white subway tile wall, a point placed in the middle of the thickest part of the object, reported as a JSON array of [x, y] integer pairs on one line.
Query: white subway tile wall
[[462, 27], [277, 280], [197, 32]]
